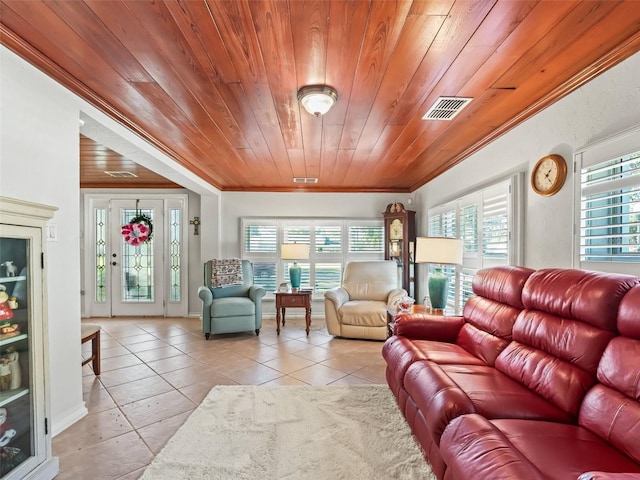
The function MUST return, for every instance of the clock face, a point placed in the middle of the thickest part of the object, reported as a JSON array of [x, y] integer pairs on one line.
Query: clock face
[[395, 230], [549, 174]]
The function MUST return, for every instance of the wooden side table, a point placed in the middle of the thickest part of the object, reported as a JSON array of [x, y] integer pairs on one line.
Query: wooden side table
[[291, 299]]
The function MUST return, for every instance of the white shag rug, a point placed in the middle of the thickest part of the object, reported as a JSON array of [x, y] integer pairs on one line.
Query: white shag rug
[[293, 433]]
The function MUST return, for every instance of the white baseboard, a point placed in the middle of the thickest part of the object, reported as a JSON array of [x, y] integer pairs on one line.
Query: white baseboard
[[59, 425]]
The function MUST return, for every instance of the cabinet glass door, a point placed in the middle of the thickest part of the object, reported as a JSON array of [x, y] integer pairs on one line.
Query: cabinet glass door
[[18, 442]]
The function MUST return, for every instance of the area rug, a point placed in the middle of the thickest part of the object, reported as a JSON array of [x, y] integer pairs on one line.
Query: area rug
[[287, 433]]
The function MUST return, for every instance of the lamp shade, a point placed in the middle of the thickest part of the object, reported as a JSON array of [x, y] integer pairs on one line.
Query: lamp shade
[[294, 251], [439, 250], [317, 99]]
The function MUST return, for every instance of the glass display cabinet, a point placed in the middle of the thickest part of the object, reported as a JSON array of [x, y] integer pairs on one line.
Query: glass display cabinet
[[25, 438]]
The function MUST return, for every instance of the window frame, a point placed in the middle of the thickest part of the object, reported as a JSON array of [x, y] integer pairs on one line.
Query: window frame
[[617, 146], [315, 257], [474, 260]]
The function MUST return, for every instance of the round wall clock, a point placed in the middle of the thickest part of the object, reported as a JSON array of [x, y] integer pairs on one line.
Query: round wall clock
[[548, 175]]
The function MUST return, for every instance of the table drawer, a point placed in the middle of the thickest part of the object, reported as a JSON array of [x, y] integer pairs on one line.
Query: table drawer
[[293, 301]]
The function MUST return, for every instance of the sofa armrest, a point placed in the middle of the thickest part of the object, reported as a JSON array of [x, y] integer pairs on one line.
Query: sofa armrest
[[426, 326], [395, 295], [338, 296], [256, 292], [206, 296], [609, 476]]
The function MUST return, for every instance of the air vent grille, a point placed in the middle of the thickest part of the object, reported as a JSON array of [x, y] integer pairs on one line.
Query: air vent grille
[[446, 108], [121, 174], [305, 180]]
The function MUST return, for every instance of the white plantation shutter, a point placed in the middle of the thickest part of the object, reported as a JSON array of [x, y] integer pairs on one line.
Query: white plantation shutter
[[610, 211], [484, 221], [332, 243]]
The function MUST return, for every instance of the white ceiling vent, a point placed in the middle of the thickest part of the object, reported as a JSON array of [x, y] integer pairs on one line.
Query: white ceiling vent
[[446, 108], [121, 174], [305, 180]]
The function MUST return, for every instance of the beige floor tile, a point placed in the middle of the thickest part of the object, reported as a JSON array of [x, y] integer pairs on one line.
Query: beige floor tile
[[121, 361], [285, 380], [198, 391], [189, 376], [351, 380], [317, 354], [230, 362], [158, 353], [288, 363], [373, 373], [148, 345], [133, 475], [173, 363], [256, 375], [160, 407], [318, 375], [98, 400], [97, 428], [139, 390], [350, 362], [140, 338], [157, 434], [107, 460], [107, 352], [125, 375]]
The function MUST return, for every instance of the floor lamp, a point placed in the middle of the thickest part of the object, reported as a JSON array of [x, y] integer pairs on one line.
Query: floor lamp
[[294, 251], [438, 250]]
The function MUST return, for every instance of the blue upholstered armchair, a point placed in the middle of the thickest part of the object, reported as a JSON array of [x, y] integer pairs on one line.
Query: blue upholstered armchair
[[233, 308]]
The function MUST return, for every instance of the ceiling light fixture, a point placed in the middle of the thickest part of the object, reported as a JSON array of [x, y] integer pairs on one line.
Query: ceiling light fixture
[[317, 99]]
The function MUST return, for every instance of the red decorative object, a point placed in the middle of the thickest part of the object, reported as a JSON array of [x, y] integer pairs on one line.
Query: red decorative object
[[138, 230]]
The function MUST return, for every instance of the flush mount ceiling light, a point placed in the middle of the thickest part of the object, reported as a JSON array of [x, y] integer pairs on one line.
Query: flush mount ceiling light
[[317, 99]]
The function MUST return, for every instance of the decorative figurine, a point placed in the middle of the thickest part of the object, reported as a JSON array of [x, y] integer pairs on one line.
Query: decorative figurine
[[11, 269]]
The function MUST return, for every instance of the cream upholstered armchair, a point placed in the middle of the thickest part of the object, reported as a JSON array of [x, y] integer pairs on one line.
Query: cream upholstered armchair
[[357, 308]]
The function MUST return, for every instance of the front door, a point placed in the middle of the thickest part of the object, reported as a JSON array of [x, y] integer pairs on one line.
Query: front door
[[137, 280]]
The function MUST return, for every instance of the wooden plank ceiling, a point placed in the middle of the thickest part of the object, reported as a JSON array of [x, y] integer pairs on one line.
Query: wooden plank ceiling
[[213, 83]]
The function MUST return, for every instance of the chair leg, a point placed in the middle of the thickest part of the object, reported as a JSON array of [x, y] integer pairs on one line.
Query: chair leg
[[95, 348], [206, 336], [257, 331]]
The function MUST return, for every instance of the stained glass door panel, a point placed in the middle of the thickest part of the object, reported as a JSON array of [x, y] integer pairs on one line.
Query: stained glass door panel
[[136, 261]]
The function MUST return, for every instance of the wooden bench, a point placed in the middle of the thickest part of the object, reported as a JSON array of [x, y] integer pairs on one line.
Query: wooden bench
[[91, 331]]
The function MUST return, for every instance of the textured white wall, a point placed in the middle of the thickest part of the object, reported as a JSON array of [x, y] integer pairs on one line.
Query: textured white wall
[[608, 104], [39, 158]]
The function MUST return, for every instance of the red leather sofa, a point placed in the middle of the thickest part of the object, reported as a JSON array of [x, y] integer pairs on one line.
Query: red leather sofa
[[539, 378]]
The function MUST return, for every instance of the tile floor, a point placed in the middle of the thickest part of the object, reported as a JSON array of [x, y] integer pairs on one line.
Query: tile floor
[[156, 371]]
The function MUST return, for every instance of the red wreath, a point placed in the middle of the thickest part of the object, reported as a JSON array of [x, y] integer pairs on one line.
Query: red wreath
[[138, 230]]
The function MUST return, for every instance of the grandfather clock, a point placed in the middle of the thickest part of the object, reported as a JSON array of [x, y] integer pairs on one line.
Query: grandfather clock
[[400, 242]]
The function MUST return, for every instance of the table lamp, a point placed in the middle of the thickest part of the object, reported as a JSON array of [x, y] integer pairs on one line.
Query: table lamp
[[438, 250], [294, 251]]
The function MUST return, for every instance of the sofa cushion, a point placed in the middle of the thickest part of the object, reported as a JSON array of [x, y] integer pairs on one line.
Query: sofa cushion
[[443, 353], [367, 313], [590, 297], [569, 319], [233, 307], [444, 392], [496, 395], [475, 447], [372, 280]]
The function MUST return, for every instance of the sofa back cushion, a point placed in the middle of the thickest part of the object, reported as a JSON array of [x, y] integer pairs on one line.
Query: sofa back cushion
[[611, 409], [370, 280], [490, 314], [559, 338]]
